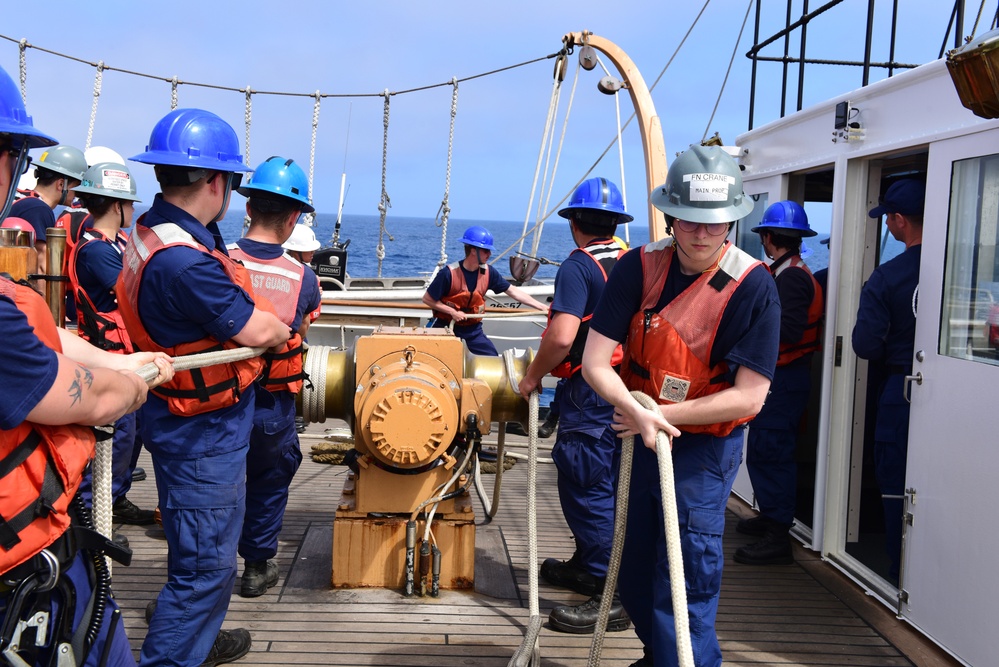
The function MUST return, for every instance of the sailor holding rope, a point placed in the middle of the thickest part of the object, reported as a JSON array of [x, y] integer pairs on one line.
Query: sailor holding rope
[[277, 195], [54, 584], [180, 292], [586, 452], [458, 293], [700, 321]]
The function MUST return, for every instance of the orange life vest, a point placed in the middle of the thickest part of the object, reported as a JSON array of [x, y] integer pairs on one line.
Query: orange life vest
[[605, 254], [40, 466], [460, 298], [811, 339], [279, 280], [668, 353], [198, 390], [105, 330]]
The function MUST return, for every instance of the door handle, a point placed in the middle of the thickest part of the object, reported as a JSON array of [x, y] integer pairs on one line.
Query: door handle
[[909, 379]]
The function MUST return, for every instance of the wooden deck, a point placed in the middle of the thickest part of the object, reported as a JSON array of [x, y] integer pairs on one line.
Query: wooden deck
[[785, 615]]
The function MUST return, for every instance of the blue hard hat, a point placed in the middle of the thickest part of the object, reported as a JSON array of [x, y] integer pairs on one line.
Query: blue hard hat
[[14, 119], [279, 176], [193, 138], [597, 194], [785, 217], [478, 237]]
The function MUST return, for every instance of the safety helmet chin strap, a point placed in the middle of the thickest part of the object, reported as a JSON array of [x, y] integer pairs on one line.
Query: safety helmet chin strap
[[225, 197], [22, 158]]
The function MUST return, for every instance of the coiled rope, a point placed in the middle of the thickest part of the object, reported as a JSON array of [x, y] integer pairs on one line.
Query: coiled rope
[[674, 553], [313, 394]]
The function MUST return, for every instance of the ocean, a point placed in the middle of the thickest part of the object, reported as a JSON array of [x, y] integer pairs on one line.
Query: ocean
[[413, 245], [417, 242]]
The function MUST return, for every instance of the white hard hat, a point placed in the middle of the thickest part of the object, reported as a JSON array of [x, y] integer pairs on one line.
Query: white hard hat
[[97, 154], [302, 239]]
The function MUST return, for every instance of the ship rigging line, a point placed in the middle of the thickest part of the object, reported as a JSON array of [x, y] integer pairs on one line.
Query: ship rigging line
[[24, 44]]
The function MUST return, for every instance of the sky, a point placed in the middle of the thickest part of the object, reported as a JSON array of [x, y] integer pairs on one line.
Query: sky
[[300, 46]]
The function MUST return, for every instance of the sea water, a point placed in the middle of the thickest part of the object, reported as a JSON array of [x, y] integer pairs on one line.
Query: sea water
[[412, 246]]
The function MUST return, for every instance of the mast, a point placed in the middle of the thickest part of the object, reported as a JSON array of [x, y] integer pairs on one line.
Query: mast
[[653, 145]]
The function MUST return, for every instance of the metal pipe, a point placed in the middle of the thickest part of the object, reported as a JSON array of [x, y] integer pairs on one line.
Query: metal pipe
[[410, 557], [55, 285], [435, 586], [867, 43]]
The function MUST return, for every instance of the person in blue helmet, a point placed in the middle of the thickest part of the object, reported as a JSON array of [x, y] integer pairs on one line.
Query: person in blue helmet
[[699, 320], [773, 433], [458, 293], [586, 450], [277, 195], [885, 333], [109, 193], [179, 292], [53, 387], [58, 171]]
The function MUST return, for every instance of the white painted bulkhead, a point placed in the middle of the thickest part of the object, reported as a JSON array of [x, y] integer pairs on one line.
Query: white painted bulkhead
[[913, 121]]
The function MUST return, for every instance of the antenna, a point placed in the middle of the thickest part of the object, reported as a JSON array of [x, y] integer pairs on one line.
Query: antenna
[[343, 183]]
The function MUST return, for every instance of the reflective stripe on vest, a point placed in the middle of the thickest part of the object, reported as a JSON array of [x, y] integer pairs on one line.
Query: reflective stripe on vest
[[198, 390]]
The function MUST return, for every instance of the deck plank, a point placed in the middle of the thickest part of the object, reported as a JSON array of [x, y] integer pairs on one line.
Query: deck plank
[[768, 616]]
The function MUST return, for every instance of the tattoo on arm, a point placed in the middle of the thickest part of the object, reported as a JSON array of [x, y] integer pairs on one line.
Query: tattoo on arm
[[83, 377]]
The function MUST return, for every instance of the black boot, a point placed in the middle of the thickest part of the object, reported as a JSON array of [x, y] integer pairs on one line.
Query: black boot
[[257, 578], [125, 511], [548, 427], [582, 619], [569, 574], [229, 645], [773, 549]]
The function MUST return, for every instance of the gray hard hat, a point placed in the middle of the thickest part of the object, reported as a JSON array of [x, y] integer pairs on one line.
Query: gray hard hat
[[108, 179], [65, 160], [703, 185]]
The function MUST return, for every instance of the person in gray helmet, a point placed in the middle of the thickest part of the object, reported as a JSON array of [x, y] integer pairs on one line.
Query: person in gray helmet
[[699, 320]]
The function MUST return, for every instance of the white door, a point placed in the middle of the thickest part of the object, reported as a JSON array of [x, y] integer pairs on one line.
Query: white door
[[949, 585]]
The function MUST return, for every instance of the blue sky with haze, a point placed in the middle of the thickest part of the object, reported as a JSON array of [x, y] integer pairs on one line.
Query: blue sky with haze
[[366, 47]]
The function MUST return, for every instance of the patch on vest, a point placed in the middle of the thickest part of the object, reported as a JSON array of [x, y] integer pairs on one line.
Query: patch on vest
[[674, 389]]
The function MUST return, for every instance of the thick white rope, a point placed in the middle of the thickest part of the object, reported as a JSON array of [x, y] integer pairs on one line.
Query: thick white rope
[[530, 649], [385, 203], [98, 81], [678, 586], [445, 209], [202, 359], [101, 474], [309, 218], [313, 394]]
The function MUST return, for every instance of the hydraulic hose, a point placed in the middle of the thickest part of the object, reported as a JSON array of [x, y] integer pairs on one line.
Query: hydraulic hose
[[410, 557]]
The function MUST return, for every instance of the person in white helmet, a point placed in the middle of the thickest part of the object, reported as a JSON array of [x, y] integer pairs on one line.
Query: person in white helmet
[[302, 244]]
